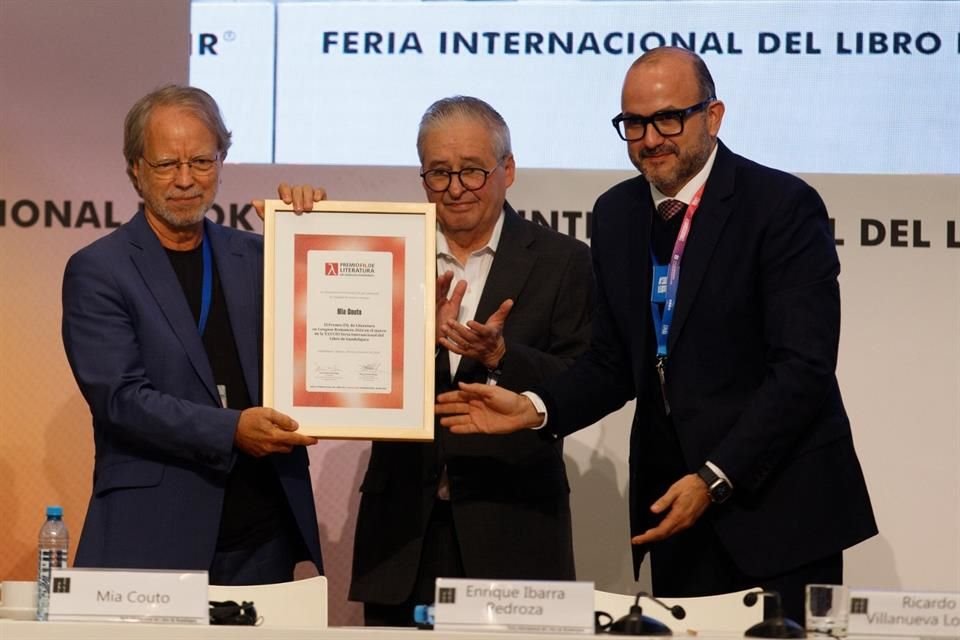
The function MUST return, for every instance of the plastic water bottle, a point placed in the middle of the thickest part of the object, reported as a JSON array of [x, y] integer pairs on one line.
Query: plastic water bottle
[[53, 547], [423, 616]]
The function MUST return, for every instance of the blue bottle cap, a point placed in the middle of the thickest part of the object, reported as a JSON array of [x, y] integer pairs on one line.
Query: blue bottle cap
[[55, 511], [423, 614]]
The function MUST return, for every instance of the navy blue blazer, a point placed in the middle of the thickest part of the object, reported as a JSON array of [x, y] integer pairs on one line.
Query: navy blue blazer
[[164, 446], [752, 355]]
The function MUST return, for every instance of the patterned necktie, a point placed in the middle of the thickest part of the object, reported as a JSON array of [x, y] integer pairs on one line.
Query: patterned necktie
[[669, 208]]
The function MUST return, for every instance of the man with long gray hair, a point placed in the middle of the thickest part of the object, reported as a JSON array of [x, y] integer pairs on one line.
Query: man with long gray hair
[[162, 325]]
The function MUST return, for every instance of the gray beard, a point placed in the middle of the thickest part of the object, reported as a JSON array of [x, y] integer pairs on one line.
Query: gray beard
[[182, 222]]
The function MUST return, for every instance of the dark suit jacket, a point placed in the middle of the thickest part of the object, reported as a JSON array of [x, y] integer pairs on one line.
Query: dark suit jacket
[[751, 363], [509, 494], [163, 444]]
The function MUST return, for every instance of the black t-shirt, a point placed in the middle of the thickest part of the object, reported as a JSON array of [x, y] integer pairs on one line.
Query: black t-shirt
[[254, 505]]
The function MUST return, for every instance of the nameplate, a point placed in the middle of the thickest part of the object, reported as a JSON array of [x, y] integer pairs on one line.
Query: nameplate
[[119, 595], [904, 613], [531, 606]]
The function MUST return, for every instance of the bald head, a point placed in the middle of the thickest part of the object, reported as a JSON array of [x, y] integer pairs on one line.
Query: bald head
[[676, 56]]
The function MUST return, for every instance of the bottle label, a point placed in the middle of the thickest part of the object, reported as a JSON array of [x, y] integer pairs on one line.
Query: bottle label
[[48, 559]]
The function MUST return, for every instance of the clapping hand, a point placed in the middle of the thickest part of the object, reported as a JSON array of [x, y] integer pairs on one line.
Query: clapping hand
[[483, 342], [448, 307]]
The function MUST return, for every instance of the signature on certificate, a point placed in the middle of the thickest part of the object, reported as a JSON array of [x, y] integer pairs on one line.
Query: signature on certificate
[[369, 370], [327, 372]]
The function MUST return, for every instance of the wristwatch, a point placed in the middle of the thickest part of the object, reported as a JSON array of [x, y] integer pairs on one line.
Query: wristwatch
[[718, 488]]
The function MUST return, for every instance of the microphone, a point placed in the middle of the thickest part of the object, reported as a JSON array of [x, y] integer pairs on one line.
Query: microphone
[[635, 623], [776, 626], [676, 610]]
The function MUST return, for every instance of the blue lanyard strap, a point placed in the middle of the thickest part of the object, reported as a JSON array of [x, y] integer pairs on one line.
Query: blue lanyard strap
[[206, 295], [670, 283]]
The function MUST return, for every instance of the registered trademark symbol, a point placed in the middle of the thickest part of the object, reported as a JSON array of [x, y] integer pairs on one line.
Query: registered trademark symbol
[[229, 36]]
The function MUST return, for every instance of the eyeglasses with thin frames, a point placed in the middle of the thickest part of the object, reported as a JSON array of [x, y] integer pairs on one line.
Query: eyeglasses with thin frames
[[198, 166], [668, 123]]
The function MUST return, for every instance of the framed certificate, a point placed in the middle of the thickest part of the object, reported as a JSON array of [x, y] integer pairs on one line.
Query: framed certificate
[[349, 318]]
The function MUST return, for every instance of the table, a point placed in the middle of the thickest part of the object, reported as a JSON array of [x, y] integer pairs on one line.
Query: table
[[32, 630]]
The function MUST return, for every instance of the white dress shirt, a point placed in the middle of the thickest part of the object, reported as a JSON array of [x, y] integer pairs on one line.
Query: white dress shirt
[[475, 272]]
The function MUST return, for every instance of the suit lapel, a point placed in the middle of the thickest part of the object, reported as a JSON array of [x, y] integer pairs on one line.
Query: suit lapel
[[241, 276], [708, 224], [442, 371], [638, 240], [151, 261], [508, 274]]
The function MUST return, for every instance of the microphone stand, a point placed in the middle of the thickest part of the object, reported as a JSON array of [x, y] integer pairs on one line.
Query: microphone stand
[[635, 623], [776, 626]]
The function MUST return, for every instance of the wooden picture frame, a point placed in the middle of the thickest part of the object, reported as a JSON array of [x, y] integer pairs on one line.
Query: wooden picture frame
[[349, 313]]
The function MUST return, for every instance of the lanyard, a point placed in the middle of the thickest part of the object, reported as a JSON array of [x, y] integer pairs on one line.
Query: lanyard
[[661, 325], [207, 293]]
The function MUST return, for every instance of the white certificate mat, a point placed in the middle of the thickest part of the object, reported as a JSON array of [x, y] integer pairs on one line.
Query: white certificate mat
[[349, 318], [349, 321]]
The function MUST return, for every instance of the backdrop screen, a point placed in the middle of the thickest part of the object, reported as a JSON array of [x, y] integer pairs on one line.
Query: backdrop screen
[[821, 87]]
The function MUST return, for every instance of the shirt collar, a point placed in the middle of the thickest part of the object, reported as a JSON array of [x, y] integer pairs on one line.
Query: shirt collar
[[685, 195], [443, 249]]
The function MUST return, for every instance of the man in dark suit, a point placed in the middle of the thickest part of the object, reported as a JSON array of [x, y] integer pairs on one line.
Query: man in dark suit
[[513, 306], [162, 325], [721, 316]]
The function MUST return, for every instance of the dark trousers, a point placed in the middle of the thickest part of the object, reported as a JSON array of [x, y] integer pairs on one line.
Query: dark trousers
[[268, 563], [439, 558], [694, 563]]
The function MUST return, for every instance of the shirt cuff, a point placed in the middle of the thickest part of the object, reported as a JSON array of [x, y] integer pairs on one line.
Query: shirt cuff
[[717, 470], [539, 406]]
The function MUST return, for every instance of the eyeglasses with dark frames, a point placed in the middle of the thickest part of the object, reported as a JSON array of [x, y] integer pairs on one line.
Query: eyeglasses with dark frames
[[471, 178], [668, 123], [199, 166]]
